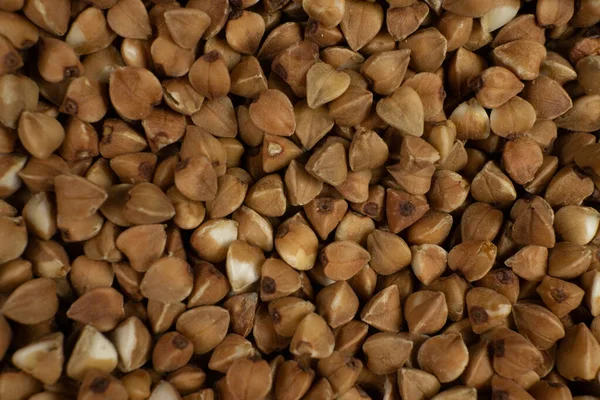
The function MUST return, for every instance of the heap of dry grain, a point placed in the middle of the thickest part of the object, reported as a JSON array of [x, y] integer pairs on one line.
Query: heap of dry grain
[[299, 199]]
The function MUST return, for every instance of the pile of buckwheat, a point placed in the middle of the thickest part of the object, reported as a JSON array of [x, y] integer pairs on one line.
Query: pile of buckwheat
[[299, 199]]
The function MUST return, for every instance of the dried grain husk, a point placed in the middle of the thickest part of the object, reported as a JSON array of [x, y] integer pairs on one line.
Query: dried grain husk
[[342, 58], [487, 309], [537, 323], [17, 94], [100, 307], [361, 23], [543, 175], [529, 263], [495, 86], [513, 118], [473, 259], [90, 32], [383, 310], [559, 296], [471, 121], [21, 33], [325, 213], [287, 312], [464, 66], [163, 127], [244, 31], [449, 190], [444, 356], [403, 110], [554, 13], [558, 68], [187, 379], [196, 179], [547, 97], [312, 124], [168, 280], [209, 75], [583, 117], [328, 163], [187, 26], [10, 180], [312, 338], [212, 239], [92, 351], [204, 326], [197, 142], [32, 302], [40, 134], [402, 21], [576, 224], [468, 8], [430, 88], [119, 138], [403, 209], [254, 228], [523, 57], [587, 70], [279, 39], [425, 311], [385, 70], [273, 113], [293, 63], [255, 375], [43, 359], [134, 91], [277, 152], [134, 168], [324, 84], [522, 158], [492, 186], [217, 117], [142, 245], [232, 188], [533, 220], [428, 49], [343, 259], [147, 204]]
